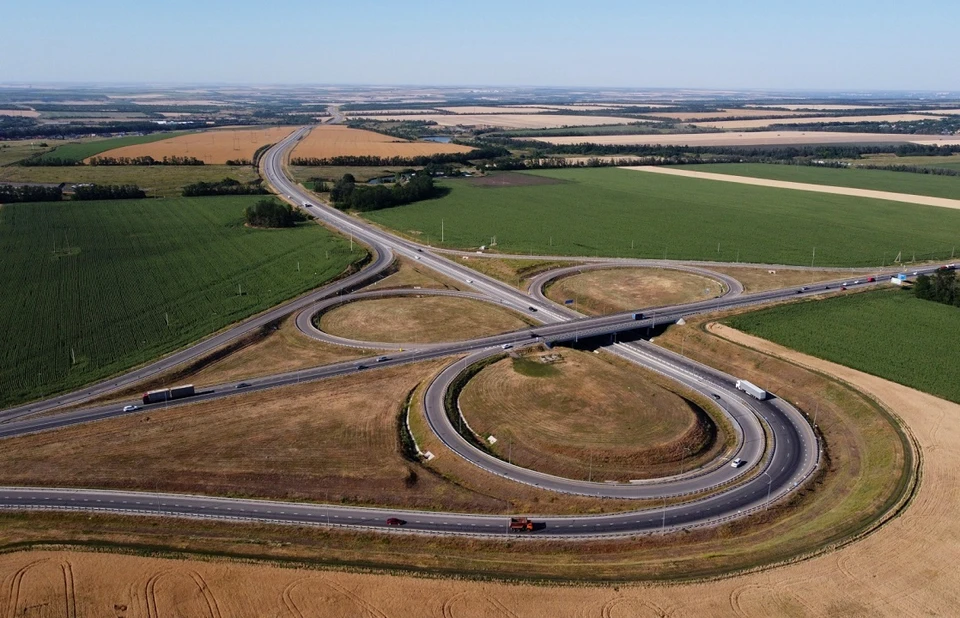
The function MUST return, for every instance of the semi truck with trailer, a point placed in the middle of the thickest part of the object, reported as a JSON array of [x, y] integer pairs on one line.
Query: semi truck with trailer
[[166, 394], [751, 389]]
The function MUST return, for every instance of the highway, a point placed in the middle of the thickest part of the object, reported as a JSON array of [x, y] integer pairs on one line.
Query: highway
[[778, 444]]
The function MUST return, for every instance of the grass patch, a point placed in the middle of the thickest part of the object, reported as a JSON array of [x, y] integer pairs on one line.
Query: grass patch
[[94, 288], [623, 213], [78, 151], [526, 366], [888, 333], [877, 180], [593, 417], [156, 180]]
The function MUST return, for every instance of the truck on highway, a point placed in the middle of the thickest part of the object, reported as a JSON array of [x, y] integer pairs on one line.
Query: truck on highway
[[751, 389], [638, 316], [520, 524], [166, 394]]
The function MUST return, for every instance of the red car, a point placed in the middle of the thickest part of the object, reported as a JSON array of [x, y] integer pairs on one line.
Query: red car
[[395, 521]]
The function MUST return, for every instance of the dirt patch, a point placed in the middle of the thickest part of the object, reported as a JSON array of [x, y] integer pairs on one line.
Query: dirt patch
[[599, 292], [585, 417], [511, 179], [926, 200], [763, 279], [415, 319]]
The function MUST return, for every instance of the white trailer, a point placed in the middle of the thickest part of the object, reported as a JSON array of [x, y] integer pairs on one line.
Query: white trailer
[[751, 389]]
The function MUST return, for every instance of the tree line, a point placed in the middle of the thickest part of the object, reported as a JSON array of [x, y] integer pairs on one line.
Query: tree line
[[346, 195], [942, 287], [24, 128], [11, 194], [486, 152], [227, 186], [145, 160], [272, 213]]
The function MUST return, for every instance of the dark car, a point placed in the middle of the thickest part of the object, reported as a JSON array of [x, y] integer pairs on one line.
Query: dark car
[[532, 308], [395, 521], [243, 385]]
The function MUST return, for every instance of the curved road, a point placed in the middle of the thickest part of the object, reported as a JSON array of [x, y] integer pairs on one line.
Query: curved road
[[792, 456]]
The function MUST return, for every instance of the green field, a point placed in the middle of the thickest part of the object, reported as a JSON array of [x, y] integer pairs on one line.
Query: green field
[[78, 151], [950, 162], [623, 213], [156, 180], [89, 287], [877, 180], [888, 333]]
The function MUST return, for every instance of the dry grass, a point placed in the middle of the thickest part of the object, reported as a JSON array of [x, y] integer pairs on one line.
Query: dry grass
[[276, 348], [427, 319], [212, 147], [324, 441], [517, 273], [411, 275], [761, 279], [599, 292], [940, 202], [730, 125], [585, 416], [512, 121], [20, 113], [328, 141], [752, 138]]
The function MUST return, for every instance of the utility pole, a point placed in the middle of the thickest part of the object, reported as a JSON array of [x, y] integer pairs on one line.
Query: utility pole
[[441, 230]]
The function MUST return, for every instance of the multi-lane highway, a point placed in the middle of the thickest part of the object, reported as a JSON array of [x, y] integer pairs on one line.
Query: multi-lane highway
[[778, 444]]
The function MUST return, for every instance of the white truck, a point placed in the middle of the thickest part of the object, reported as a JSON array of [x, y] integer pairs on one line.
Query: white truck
[[751, 389]]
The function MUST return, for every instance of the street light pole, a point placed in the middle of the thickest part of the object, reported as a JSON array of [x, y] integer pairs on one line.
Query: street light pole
[[769, 486]]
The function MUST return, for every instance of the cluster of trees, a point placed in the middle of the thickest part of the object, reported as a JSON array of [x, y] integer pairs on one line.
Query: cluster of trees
[[10, 194], [272, 213], [486, 152], [932, 126], [145, 160], [108, 192], [239, 162], [346, 195], [227, 186], [942, 287]]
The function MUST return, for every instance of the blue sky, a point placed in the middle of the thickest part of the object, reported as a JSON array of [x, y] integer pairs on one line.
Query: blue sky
[[810, 44]]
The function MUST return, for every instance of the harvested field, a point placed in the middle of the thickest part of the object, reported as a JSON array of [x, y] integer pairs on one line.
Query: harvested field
[[948, 112], [926, 200], [726, 113], [599, 292], [328, 141], [762, 279], [212, 147], [427, 319], [19, 113], [512, 121], [760, 123], [579, 415], [492, 109], [819, 107], [752, 138]]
